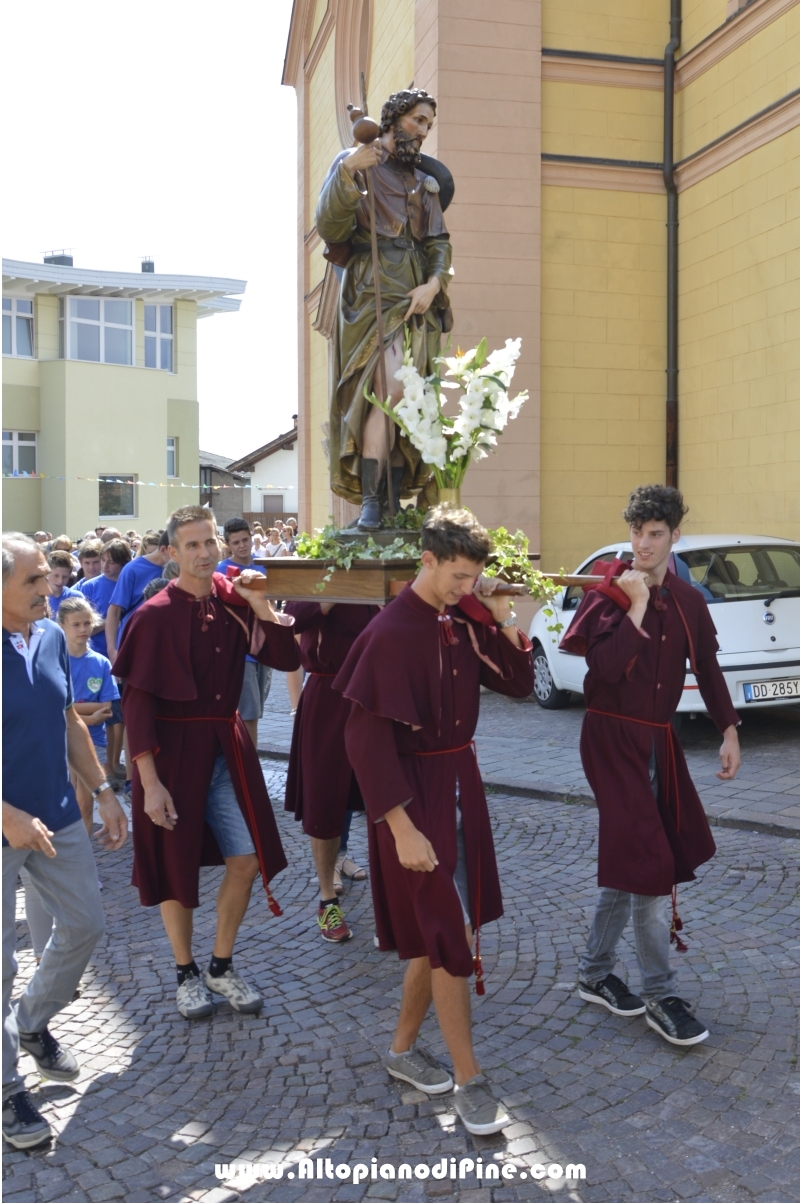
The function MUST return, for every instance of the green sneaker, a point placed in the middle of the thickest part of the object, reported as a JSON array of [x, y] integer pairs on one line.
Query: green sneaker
[[331, 923]]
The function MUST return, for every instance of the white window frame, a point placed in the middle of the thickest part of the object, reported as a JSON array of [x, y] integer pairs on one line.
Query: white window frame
[[13, 314], [14, 442], [172, 446], [114, 477], [102, 323], [158, 335]]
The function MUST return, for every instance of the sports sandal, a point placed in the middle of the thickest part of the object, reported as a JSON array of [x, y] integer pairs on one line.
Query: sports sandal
[[346, 866]]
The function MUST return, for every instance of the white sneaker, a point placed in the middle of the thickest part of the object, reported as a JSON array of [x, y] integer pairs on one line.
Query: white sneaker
[[194, 1000], [232, 986]]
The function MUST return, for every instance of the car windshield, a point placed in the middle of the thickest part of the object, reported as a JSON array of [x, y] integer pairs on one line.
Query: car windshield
[[738, 573]]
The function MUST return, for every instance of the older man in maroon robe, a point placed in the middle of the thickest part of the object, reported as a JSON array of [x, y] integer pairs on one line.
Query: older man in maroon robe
[[637, 631], [414, 678], [198, 791], [321, 786]]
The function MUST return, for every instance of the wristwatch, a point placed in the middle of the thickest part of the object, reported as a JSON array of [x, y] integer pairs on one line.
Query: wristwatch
[[96, 792], [511, 621]]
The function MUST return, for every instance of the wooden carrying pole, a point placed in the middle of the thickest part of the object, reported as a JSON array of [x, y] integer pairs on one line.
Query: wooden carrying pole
[[366, 130]]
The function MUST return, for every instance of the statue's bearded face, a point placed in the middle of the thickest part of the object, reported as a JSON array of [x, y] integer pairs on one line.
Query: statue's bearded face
[[410, 131]]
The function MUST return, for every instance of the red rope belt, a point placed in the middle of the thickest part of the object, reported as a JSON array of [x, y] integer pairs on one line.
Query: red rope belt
[[480, 988], [272, 902], [670, 786]]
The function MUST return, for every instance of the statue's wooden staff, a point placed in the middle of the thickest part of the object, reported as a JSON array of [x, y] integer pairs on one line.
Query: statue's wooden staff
[[366, 130]]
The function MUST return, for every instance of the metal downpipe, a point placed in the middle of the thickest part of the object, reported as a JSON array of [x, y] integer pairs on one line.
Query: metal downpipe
[[672, 243]]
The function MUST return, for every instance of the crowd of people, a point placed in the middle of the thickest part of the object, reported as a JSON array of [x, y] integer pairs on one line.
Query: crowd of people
[[384, 724]]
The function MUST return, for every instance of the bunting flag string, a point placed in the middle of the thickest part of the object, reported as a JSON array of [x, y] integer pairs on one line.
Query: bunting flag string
[[144, 484]]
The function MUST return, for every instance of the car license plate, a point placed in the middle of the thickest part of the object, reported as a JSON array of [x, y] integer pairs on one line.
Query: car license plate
[[768, 691]]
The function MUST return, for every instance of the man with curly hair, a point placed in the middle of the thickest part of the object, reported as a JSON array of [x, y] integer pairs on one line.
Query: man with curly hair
[[414, 254], [637, 632]]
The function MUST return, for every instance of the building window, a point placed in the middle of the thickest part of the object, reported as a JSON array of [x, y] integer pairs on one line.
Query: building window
[[172, 457], [19, 453], [100, 329], [18, 327], [158, 337], [272, 503], [206, 492], [117, 496]]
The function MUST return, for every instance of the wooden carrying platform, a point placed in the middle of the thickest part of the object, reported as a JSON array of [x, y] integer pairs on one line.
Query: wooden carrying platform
[[374, 582]]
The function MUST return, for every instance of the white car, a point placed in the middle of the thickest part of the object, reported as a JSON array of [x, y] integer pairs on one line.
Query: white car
[[752, 587]]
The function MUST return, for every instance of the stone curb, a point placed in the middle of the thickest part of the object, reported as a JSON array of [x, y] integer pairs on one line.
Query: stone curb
[[551, 793]]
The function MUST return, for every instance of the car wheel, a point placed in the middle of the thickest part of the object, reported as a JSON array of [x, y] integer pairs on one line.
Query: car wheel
[[547, 694]]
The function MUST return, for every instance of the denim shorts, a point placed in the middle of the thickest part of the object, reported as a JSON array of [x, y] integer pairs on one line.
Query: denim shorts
[[116, 713], [255, 687], [224, 815]]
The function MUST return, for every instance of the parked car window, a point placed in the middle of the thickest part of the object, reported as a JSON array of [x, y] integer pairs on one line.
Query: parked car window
[[597, 567], [740, 573]]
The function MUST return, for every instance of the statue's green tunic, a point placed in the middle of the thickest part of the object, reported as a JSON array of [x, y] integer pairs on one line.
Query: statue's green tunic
[[413, 246]]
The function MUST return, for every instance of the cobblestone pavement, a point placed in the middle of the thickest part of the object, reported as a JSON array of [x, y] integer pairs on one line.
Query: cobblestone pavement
[[162, 1101], [524, 748]]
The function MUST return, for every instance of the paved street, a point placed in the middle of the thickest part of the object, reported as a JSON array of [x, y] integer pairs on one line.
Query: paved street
[[162, 1101], [524, 748]]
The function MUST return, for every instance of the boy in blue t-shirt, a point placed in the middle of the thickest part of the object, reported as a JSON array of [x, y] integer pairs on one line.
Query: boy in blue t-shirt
[[129, 593], [93, 686], [61, 567]]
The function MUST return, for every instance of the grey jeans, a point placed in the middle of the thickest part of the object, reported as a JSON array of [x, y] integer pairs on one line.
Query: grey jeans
[[651, 923], [67, 886], [650, 932]]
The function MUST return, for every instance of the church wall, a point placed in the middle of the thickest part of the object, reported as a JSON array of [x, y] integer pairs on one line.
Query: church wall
[[632, 27], [391, 65], [740, 344], [603, 361]]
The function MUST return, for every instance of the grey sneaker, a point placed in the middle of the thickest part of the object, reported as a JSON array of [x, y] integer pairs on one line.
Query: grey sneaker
[[418, 1068], [478, 1111], [231, 985], [673, 1020], [23, 1126], [53, 1061], [612, 993], [193, 998]]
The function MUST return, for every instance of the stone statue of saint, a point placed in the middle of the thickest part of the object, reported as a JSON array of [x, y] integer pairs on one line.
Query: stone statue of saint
[[411, 190]]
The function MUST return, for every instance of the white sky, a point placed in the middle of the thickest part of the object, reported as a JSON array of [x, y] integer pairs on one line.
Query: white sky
[[163, 129]]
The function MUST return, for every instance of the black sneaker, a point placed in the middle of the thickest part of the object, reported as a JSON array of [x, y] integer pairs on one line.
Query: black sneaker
[[671, 1018], [23, 1125], [612, 993], [54, 1062]]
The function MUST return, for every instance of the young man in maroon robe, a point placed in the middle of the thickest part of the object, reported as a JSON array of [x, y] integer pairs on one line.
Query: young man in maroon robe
[[637, 634], [198, 791], [414, 679], [321, 786]]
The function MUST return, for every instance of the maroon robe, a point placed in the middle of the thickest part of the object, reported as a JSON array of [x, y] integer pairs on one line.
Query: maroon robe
[[183, 659], [320, 784], [647, 845], [414, 678]]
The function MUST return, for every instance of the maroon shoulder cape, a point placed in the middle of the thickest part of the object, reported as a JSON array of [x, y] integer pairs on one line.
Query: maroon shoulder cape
[[635, 680], [182, 660], [414, 679], [320, 783]]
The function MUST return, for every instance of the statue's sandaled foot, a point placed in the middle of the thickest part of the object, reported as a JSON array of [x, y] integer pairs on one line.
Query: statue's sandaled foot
[[370, 518]]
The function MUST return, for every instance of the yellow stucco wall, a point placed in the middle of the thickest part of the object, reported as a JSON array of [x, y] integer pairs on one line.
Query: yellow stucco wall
[[603, 360], [318, 381], [700, 18], [97, 419], [600, 122], [320, 8], [323, 133], [392, 60], [740, 344], [632, 27], [759, 72]]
